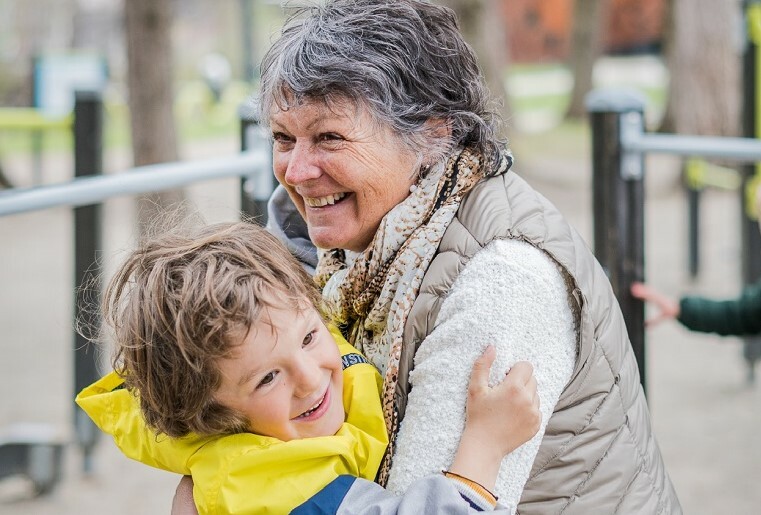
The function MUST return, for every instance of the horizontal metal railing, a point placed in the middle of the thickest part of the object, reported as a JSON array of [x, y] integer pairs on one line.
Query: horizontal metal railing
[[85, 191], [737, 149]]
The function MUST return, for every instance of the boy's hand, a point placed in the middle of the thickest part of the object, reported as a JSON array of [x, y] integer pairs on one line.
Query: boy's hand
[[499, 419], [509, 412]]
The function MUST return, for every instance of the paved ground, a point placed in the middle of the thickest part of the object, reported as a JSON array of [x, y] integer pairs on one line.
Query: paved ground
[[706, 417]]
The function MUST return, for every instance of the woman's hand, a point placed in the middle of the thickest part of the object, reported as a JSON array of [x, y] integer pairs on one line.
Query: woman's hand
[[668, 308], [499, 419]]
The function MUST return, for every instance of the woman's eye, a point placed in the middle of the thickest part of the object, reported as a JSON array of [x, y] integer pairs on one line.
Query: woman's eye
[[280, 139], [267, 379], [331, 137], [309, 338]]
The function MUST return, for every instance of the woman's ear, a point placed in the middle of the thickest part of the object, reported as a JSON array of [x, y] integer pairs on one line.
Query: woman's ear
[[438, 128], [438, 136]]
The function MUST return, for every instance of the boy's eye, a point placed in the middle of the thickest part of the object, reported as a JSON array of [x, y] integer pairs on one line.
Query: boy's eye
[[309, 338], [267, 379]]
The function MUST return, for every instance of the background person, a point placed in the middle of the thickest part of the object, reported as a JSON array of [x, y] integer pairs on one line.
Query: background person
[[739, 316]]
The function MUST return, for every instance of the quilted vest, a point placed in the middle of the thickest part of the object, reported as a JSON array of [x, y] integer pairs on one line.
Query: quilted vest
[[599, 453]]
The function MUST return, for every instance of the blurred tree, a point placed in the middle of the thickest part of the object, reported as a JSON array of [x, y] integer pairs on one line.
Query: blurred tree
[[149, 79], [482, 27], [703, 56], [586, 47]]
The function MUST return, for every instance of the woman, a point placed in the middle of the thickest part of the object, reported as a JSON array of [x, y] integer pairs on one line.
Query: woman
[[430, 248]]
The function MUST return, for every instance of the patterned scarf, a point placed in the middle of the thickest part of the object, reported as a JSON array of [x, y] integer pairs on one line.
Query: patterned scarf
[[370, 294]]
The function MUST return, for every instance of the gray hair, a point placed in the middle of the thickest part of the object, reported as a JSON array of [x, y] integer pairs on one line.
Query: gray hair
[[404, 60]]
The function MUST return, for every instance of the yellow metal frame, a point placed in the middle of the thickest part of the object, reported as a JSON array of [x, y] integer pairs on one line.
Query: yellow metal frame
[[30, 119]]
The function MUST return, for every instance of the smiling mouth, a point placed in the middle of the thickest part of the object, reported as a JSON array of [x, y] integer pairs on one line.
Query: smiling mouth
[[314, 408], [324, 201]]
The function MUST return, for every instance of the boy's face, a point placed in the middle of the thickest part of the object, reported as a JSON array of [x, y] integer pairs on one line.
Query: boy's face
[[286, 376]]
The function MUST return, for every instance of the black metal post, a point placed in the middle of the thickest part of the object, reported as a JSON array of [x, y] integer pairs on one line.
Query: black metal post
[[749, 230], [247, 37], [693, 230], [37, 137], [256, 189], [88, 160], [618, 205]]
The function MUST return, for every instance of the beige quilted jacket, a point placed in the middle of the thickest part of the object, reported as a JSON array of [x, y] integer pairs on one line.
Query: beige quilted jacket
[[598, 454]]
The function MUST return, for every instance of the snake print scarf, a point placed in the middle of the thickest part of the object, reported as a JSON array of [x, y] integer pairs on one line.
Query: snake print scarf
[[370, 294]]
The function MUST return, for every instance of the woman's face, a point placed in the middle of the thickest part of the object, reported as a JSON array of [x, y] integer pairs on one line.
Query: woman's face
[[343, 172]]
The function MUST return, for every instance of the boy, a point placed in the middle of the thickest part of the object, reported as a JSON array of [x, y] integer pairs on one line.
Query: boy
[[225, 371]]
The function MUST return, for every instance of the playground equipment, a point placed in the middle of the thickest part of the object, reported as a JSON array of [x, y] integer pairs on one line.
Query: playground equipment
[[35, 450]]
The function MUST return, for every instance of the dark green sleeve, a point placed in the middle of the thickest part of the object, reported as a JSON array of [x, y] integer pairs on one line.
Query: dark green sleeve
[[734, 317]]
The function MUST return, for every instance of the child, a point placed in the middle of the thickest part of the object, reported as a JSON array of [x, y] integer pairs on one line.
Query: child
[[225, 371], [739, 316]]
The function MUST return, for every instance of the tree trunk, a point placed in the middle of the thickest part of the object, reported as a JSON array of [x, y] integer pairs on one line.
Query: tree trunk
[[704, 59], [149, 77], [586, 47], [481, 25]]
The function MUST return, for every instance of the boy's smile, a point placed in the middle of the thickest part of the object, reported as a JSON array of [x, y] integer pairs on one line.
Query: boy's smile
[[286, 376]]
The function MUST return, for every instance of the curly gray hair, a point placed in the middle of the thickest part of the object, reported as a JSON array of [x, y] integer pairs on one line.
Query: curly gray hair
[[404, 60]]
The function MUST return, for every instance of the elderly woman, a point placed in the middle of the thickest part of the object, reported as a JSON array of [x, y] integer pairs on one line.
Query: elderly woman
[[429, 247]]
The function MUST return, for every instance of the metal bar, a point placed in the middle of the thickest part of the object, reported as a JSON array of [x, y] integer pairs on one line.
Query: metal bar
[[257, 188], [88, 161], [739, 149], [693, 231], [618, 197], [248, 118], [144, 179], [247, 40], [37, 138]]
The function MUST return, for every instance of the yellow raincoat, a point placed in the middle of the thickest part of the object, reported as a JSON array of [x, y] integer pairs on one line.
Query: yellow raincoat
[[248, 473]]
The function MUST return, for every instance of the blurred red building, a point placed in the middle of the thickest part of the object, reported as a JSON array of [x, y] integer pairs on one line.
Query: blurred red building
[[540, 30]]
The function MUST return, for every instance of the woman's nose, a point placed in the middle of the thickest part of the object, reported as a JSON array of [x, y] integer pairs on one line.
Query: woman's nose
[[302, 165]]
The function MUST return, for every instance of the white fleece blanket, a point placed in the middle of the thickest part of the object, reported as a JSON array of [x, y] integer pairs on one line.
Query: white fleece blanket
[[513, 296]]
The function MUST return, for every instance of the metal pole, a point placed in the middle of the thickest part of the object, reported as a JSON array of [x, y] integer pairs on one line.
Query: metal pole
[[693, 230], [88, 160], [618, 204], [247, 15], [692, 173], [255, 190], [37, 137], [750, 237]]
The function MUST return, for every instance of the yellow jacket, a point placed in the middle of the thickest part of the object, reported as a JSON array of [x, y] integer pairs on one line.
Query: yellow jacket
[[248, 473]]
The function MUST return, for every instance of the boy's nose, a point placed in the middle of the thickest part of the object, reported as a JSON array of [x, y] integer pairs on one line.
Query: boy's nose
[[308, 377]]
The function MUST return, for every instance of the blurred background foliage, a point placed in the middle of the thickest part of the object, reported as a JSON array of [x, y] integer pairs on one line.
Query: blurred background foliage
[[540, 57]]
